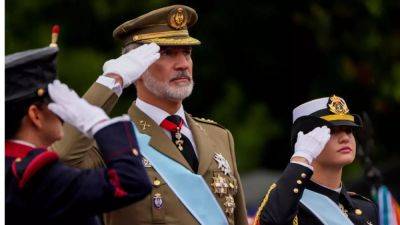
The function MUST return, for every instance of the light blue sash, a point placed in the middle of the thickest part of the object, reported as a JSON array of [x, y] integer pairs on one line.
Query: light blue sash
[[190, 188], [327, 211]]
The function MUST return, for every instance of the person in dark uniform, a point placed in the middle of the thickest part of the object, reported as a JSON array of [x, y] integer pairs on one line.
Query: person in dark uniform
[[310, 190], [39, 189]]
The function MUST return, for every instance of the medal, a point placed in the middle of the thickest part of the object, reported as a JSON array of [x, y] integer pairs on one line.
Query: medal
[[229, 205], [146, 162], [179, 141], [157, 201], [222, 164], [220, 185]]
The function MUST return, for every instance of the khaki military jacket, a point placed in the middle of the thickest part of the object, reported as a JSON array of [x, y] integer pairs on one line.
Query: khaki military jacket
[[163, 206]]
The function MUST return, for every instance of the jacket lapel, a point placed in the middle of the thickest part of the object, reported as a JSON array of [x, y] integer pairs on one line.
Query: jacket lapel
[[205, 144], [158, 139]]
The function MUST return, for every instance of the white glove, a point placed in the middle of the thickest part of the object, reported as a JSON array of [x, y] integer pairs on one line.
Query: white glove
[[310, 145], [131, 65], [73, 109]]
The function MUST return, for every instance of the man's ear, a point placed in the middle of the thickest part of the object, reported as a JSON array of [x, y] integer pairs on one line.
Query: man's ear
[[35, 115]]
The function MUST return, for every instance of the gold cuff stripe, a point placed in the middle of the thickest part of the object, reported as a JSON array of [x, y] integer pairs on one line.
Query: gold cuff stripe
[[338, 117], [139, 37], [263, 203]]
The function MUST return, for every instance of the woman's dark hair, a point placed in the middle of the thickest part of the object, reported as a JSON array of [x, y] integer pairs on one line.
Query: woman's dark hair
[[16, 110]]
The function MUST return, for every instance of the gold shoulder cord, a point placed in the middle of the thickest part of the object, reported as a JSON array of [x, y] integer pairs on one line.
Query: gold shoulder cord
[[263, 203]]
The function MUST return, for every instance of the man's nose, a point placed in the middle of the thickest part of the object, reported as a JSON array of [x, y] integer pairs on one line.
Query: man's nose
[[182, 62]]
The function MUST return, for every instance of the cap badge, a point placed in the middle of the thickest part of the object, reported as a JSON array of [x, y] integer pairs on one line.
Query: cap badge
[[337, 105], [178, 19]]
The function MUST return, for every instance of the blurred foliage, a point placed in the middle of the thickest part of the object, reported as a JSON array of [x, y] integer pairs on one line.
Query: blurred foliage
[[257, 61]]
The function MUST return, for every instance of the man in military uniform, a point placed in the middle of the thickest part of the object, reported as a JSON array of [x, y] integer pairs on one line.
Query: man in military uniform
[[310, 190], [193, 165], [39, 188]]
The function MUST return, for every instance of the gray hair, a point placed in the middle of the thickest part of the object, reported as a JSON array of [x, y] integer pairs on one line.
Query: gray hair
[[130, 47]]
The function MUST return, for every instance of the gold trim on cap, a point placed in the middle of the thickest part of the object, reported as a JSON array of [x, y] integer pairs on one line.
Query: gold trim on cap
[[173, 33], [173, 41], [338, 117]]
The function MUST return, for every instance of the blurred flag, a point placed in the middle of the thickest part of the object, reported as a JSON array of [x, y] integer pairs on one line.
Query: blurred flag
[[389, 210]]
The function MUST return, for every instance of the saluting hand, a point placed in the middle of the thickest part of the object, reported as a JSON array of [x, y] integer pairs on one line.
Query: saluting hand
[[73, 109], [132, 65], [310, 145]]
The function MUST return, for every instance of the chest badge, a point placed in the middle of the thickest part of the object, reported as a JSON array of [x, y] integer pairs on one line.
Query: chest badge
[[157, 201], [220, 185], [229, 205], [223, 164], [146, 162]]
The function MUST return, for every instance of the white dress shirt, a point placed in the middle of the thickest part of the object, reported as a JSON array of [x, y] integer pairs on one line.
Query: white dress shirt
[[155, 113], [158, 115]]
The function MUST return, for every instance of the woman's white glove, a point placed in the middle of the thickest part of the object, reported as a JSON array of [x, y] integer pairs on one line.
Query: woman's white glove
[[132, 65], [310, 145], [73, 109]]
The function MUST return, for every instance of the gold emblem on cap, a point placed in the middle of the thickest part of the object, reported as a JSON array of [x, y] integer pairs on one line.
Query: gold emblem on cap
[[177, 19], [40, 92], [358, 212], [337, 105]]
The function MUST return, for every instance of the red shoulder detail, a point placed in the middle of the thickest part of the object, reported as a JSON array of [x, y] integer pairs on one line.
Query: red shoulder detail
[[36, 164]]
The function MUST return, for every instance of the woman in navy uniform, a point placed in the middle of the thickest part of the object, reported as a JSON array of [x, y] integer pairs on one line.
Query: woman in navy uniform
[[40, 189], [310, 190]]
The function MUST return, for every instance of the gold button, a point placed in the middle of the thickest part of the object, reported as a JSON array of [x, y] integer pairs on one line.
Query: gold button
[[299, 182], [18, 159], [157, 182], [135, 38], [296, 190], [40, 92], [135, 151], [358, 212], [303, 175]]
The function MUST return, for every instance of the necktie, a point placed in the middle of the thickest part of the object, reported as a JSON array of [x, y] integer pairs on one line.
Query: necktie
[[174, 124]]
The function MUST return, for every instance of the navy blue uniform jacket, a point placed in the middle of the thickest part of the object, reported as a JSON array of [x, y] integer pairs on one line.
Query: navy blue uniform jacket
[[41, 190], [282, 205]]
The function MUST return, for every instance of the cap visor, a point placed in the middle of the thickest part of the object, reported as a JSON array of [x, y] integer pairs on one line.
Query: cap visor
[[336, 123]]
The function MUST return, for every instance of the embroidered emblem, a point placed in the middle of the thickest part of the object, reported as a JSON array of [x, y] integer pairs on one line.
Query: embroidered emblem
[[144, 124], [222, 163]]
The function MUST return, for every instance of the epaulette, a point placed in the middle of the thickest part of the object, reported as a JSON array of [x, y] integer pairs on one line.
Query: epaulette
[[25, 168], [357, 196], [207, 121]]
